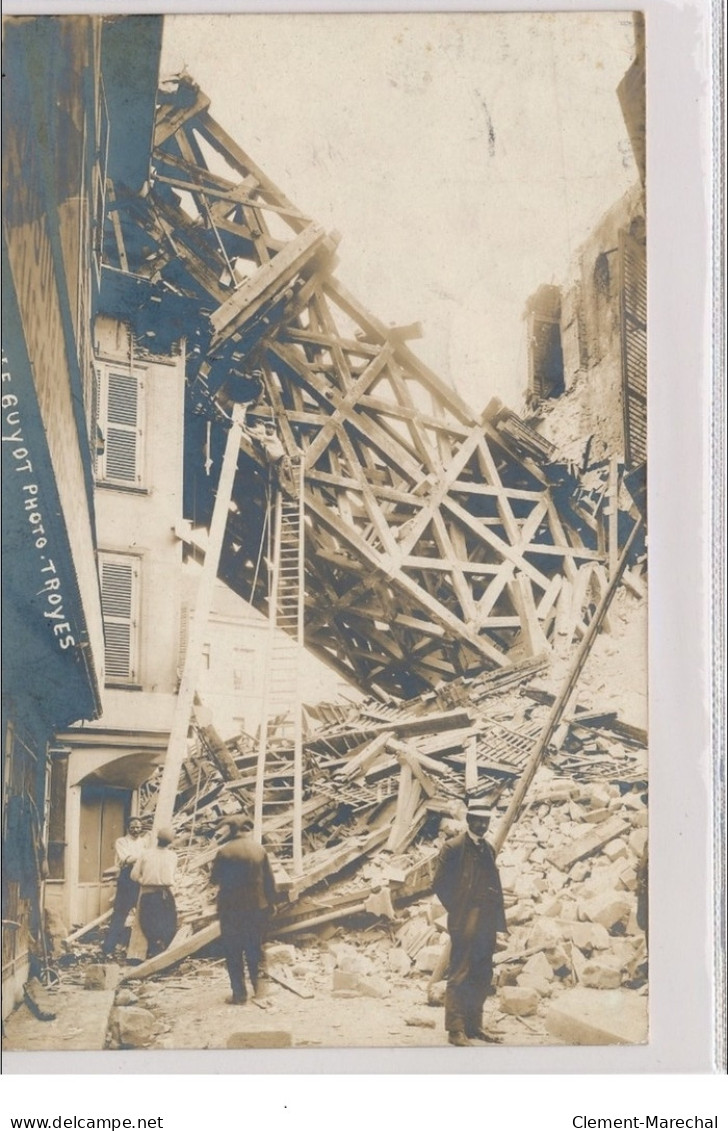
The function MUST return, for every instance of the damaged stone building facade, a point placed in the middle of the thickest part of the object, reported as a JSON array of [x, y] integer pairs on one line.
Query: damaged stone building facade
[[588, 340]]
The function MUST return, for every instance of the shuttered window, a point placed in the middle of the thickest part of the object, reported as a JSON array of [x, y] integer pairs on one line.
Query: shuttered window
[[120, 424], [633, 267], [120, 606]]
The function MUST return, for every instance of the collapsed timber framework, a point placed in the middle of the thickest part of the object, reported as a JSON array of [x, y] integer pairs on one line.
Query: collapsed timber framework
[[438, 543]]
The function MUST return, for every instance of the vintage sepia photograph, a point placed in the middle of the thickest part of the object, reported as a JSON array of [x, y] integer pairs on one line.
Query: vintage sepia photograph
[[324, 532]]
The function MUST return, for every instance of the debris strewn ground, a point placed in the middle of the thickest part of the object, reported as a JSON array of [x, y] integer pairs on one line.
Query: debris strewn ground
[[356, 945]]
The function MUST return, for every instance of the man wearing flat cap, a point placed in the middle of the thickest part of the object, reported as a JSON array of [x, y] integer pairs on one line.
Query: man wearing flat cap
[[245, 898], [468, 886]]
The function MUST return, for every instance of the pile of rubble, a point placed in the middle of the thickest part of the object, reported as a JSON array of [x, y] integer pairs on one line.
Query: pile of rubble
[[570, 874], [385, 784]]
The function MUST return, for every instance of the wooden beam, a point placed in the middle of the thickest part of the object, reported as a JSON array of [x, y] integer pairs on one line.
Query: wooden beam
[[563, 857], [177, 746], [440, 490], [471, 765], [444, 394], [532, 632], [408, 795], [369, 428], [344, 404], [566, 693], [229, 149], [173, 954], [266, 281], [171, 118], [613, 516]]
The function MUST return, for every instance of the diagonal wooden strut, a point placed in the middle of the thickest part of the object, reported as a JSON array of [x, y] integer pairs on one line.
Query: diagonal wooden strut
[[554, 716], [177, 745]]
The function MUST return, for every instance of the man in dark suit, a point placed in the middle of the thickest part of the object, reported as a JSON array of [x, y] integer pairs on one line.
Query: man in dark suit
[[468, 886], [245, 898]]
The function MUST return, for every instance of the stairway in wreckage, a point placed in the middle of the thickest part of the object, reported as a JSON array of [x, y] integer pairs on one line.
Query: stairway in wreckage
[[279, 778]]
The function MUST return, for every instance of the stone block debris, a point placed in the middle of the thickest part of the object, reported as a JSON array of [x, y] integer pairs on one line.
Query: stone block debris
[[584, 1016]]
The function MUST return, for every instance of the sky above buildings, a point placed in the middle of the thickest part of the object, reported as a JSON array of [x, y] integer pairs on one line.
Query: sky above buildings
[[462, 158]]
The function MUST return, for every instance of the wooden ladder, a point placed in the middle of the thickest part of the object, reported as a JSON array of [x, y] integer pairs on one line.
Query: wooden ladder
[[279, 774]]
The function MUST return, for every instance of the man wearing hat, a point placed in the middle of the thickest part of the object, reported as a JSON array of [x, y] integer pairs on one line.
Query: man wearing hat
[[245, 898], [468, 886], [155, 872]]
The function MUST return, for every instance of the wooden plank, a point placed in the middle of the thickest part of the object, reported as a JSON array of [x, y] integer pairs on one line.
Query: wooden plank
[[578, 600], [361, 761], [416, 823], [171, 118], [599, 835], [173, 954], [613, 516], [411, 588], [337, 861], [491, 475], [221, 141], [318, 920], [177, 745], [445, 544], [549, 597], [113, 212], [412, 754], [566, 695], [563, 610], [345, 404], [283, 978], [445, 396], [440, 489], [87, 927], [594, 718], [433, 723], [271, 276], [512, 554], [532, 634], [366, 425], [407, 789], [409, 757], [618, 726], [600, 576], [634, 583], [471, 765]]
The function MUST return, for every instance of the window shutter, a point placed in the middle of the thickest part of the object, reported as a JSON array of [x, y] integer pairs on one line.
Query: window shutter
[[119, 599], [634, 347], [121, 402]]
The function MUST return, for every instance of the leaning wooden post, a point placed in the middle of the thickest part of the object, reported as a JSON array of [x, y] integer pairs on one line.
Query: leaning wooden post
[[564, 695], [403, 810], [613, 517], [471, 765], [177, 745]]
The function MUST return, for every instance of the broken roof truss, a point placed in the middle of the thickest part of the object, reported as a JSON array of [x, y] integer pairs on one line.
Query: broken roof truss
[[435, 544]]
